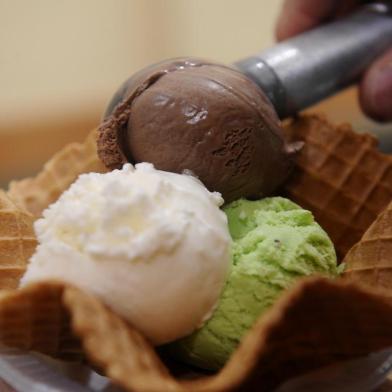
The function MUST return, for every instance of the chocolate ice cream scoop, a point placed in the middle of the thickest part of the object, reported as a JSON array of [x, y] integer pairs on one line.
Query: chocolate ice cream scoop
[[190, 114], [212, 120]]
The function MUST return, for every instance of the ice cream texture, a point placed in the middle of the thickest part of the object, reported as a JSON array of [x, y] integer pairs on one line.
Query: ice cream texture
[[275, 242], [193, 114], [153, 245]]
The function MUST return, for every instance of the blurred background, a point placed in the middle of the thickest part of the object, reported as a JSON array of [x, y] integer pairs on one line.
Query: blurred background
[[60, 62]]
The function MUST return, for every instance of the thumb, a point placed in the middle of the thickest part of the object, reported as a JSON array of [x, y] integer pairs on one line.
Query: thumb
[[375, 92]]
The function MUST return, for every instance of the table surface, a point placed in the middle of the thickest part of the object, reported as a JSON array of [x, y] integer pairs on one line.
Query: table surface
[[386, 387]]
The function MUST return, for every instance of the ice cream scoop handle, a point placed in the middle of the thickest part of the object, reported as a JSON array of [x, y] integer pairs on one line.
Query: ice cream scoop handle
[[305, 69]]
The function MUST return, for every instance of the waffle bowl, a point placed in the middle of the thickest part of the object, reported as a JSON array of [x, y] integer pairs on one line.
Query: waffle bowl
[[32, 320], [17, 241], [341, 177], [369, 261], [315, 324], [309, 327], [37, 193]]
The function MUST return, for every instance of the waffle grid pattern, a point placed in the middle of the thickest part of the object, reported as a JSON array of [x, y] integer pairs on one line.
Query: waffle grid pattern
[[35, 319], [310, 326], [342, 178], [17, 242], [369, 261]]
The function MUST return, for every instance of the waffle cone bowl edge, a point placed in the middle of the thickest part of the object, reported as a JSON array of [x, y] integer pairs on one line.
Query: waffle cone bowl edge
[[316, 323], [17, 241], [369, 261], [37, 193], [341, 177]]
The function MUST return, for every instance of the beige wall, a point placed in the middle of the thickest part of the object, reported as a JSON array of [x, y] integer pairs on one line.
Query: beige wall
[[69, 55], [63, 59]]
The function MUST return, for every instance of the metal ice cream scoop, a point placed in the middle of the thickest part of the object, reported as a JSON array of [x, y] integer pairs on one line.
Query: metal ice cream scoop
[[194, 114], [305, 69]]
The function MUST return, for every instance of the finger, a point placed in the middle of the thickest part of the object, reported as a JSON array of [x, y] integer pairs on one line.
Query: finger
[[375, 91], [301, 15]]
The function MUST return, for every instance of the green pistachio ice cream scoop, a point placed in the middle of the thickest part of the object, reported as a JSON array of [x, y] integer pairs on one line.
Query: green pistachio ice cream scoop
[[274, 243]]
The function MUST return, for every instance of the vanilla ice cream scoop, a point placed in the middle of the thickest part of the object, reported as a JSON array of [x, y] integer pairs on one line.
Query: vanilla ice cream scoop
[[153, 245]]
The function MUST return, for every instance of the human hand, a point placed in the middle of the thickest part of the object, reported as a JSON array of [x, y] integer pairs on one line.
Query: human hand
[[375, 88]]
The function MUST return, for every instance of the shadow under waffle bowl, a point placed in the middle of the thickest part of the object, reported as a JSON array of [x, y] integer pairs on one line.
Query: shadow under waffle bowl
[[312, 325], [340, 176]]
